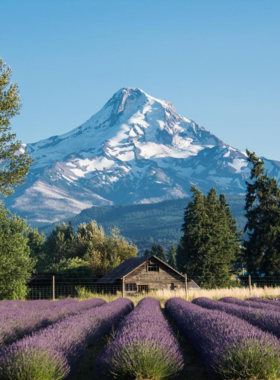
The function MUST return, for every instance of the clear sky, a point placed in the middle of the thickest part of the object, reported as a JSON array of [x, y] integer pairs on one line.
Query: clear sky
[[218, 61]]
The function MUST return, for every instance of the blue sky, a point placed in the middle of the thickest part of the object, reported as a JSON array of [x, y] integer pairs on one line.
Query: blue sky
[[217, 61]]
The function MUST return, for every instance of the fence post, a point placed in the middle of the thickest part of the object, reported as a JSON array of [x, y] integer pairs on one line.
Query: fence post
[[53, 288], [186, 284], [123, 287], [250, 285]]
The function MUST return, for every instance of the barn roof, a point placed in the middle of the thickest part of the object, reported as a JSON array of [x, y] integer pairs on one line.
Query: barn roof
[[127, 267]]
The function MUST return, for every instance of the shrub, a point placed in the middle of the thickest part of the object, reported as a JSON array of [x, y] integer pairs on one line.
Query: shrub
[[230, 347], [143, 347], [55, 350], [17, 322], [266, 320]]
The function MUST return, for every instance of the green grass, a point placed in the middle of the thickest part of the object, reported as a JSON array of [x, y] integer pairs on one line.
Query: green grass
[[251, 360], [34, 365]]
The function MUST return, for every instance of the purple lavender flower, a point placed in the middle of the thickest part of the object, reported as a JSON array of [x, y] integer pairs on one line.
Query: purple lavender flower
[[42, 304], [17, 322], [230, 347], [251, 304], [274, 302], [51, 353], [266, 320], [143, 346]]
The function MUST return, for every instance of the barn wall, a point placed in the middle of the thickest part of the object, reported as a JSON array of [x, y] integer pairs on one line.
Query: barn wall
[[165, 278]]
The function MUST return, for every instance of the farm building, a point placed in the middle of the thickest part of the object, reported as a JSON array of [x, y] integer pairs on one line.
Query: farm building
[[139, 274]]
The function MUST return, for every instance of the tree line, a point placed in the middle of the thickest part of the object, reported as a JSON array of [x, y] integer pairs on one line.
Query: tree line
[[85, 252], [212, 247]]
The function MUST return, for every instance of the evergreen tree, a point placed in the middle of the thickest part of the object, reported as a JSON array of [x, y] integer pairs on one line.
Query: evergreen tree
[[154, 250], [192, 247], [147, 252], [16, 265], [262, 248], [180, 256], [210, 240], [14, 163], [172, 257], [161, 254]]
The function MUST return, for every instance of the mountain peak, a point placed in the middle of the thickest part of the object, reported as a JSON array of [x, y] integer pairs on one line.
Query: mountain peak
[[136, 149], [131, 117], [136, 95]]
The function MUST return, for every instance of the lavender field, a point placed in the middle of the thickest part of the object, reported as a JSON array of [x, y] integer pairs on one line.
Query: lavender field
[[95, 339]]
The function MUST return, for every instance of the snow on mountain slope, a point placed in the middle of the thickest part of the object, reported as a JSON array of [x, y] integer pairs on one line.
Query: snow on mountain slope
[[136, 149]]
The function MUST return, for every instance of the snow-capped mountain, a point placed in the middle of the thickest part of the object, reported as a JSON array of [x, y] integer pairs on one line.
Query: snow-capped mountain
[[136, 149]]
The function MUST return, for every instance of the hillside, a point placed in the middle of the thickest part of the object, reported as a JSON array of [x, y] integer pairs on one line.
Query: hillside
[[143, 224]]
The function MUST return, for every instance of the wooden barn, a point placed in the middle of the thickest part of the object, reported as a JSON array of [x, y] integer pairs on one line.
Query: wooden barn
[[141, 274]]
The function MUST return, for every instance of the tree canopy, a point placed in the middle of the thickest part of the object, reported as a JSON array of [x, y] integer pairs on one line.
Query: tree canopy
[[262, 247], [15, 262], [172, 257], [210, 241], [15, 162], [87, 250]]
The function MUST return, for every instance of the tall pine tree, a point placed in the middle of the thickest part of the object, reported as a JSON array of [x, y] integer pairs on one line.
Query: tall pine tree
[[262, 248], [154, 250], [172, 257], [210, 240], [161, 254]]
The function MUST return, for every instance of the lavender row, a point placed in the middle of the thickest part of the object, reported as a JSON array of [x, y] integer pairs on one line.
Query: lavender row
[[17, 309], [266, 320], [144, 346], [229, 347], [274, 302], [17, 324], [53, 352], [17, 304], [251, 304]]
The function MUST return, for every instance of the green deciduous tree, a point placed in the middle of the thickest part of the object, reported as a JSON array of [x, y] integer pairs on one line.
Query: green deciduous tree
[[16, 265], [100, 252], [60, 244], [112, 252], [36, 242], [14, 162], [210, 241], [262, 248], [15, 262], [71, 271]]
